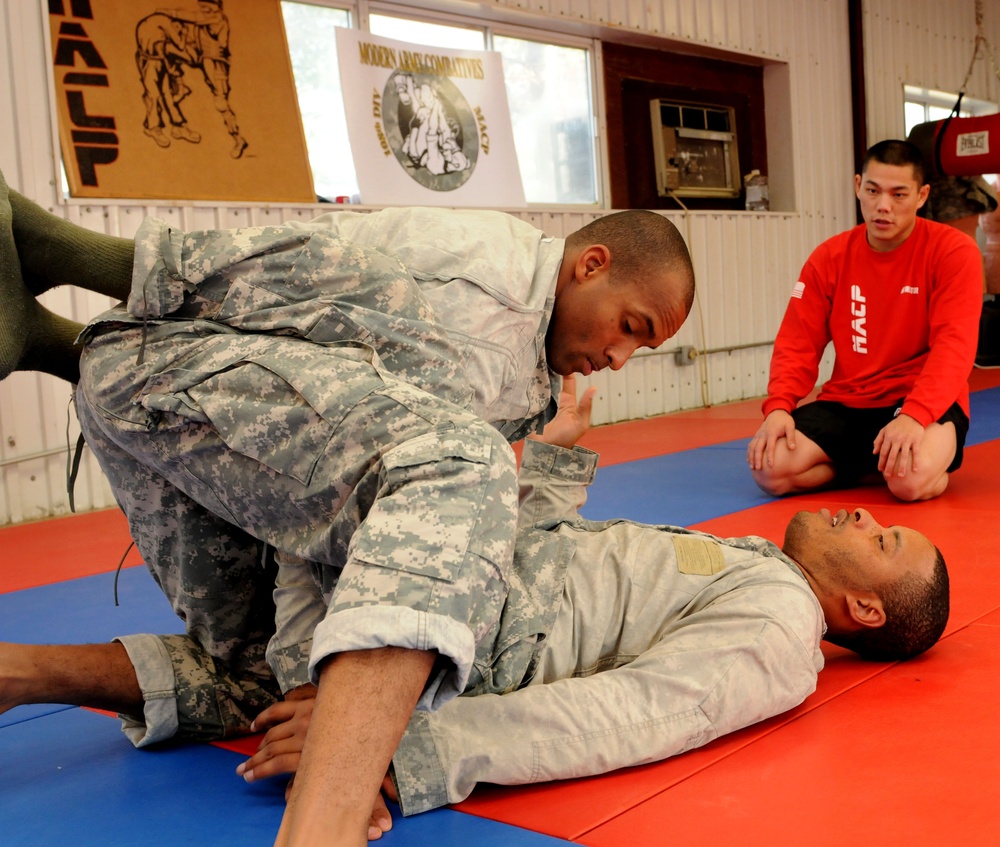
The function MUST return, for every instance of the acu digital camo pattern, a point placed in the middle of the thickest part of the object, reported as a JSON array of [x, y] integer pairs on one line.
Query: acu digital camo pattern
[[218, 579], [491, 278], [312, 285], [609, 596], [292, 440], [954, 197]]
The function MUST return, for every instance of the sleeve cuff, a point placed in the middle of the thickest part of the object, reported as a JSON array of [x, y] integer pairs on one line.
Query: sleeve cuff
[[421, 782], [918, 413], [576, 465], [371, 627], [769, 406]]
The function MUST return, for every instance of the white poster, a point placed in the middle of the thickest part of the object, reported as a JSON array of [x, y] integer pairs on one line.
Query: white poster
[[428, 126]]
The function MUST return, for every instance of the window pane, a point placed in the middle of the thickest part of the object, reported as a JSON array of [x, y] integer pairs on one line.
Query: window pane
[[548, 88], [937, 113], [313, 48], [913, 114], [421, 32]]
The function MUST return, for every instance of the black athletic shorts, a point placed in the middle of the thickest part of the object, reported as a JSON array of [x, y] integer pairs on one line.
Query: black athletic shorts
[[847, 435]]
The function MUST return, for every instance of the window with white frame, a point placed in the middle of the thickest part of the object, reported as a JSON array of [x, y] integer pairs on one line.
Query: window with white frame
[[921, 105], [549, 89]]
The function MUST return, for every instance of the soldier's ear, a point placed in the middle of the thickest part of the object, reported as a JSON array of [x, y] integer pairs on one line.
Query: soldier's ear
[[865, 609], [592, 261]]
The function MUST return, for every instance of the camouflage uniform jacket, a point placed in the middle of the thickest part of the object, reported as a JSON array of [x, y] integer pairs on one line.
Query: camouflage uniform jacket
[[490, 279], [663, 640]]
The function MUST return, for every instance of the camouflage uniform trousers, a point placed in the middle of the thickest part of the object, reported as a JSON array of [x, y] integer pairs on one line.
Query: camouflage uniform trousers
[[219, 580], [220, 440]]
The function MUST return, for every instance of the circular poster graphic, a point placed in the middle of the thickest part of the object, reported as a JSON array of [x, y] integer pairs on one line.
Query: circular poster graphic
[[431, 129]]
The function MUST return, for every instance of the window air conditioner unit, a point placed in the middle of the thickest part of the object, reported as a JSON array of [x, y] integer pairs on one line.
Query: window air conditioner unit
[[695, 150]]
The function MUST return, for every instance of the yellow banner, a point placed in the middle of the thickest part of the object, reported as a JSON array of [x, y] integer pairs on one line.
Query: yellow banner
[[183, 100]]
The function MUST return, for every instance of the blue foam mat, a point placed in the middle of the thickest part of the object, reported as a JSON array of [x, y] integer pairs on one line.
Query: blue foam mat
[[698, 485], [79, 782], [984, 416], [680, 488], [83, 610]]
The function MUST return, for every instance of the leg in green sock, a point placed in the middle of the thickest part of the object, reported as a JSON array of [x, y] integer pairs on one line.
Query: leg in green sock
[[54, 252], [31, 337], [53, 349], [15, 300]]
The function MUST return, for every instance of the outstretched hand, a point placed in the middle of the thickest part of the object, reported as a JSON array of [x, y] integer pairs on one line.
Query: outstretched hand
[[280, 751], [284, 724], [573, 418]]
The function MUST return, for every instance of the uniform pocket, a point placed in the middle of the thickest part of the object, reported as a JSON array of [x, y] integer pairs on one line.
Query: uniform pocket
[[277, 403], [431, 501]]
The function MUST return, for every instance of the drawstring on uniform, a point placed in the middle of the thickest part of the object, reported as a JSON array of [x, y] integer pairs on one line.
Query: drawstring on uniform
[[118, 570], [72, 459], [145, 321]]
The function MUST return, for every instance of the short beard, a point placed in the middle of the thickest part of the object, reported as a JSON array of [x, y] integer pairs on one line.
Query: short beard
[[794, 534]]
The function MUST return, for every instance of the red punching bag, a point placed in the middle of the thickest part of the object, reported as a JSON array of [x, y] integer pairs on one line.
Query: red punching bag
[[968, 146]]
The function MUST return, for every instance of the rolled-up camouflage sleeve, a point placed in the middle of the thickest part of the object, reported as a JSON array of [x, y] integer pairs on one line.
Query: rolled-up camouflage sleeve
[[427, 569], [553, 481]]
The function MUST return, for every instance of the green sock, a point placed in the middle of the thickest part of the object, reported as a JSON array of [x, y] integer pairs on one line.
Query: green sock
[[31, 337], [15, 299], [54, 252], [53, 347]]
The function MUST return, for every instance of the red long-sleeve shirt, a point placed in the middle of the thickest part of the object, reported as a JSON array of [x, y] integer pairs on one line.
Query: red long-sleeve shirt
[[904, 323]]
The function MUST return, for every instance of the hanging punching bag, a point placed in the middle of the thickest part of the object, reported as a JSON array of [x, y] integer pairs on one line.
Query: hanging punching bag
[[967, 146]]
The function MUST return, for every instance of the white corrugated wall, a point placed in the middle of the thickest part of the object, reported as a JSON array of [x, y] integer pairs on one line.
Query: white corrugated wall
[[745, 262], [929, 44]]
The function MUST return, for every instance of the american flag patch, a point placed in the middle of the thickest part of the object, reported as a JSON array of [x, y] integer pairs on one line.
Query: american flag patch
[[798, 289]]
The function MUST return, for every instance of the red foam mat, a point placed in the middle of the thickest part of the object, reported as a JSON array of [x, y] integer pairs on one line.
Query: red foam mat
[[634, 440], [54, 550], [910, 757]]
